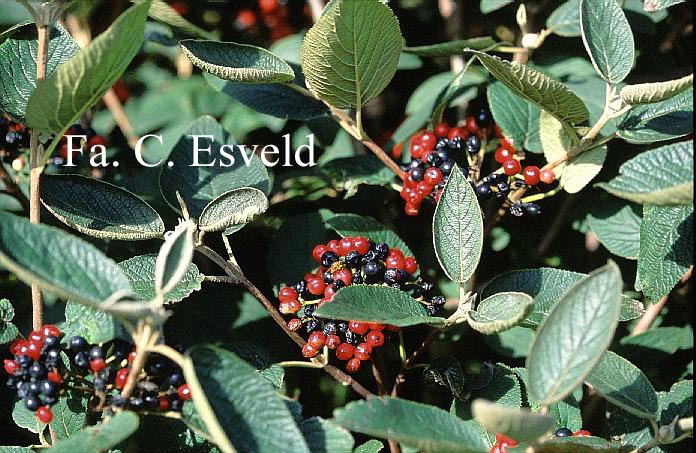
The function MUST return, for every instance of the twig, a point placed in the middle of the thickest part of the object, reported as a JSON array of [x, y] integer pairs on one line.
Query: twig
[[144, 341], [652, 312], [219, 279], [114, 105]]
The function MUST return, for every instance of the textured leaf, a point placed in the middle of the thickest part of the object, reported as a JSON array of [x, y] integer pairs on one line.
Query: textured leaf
[[280, 101], [174, 258], [666, 248], [659, 121], [664, 339], [446, 371], [371, 446], [538, 89], [546, 285], [512, 342], [647, 93], [414, 424], [567, 412], [517, 118], [446, 49], [69, 415], [348, 173], [199, 185], [565, 20], [237, 62], [60, 100], [238, 406], [577, 331], [607, 38], [59, 263], [100, 209], [355, 225], [18, 71], [232, 208], [140, 271], [395, 307], [660, 176], [93, 324], [100, 437], [24, 418], [8, 331], [518, 424], [324, 436], [500, 312], [458, 228], [350, 55], [162, 12], [617, 226], [623, 384], [488, 6]]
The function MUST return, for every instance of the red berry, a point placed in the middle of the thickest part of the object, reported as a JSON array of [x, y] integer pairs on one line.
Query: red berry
[[97, 365], [471, 125], [34, 349], [346, 246], [163, 404], [395, 262], [353, 366], [505, 441], [582, 433], [96, 140], [511, 167], [309, 351], [375, 339], [332, 341], [345, 275], [433, 176], [441, 130], [428, 140], [317, 340], [392, 328], [131, 357], [287, 294], [294, 324], [425, 155], [344, 351], [423, 189], [14, 346], [505, 143], [362, 244], [375, 326], [497, 448], [547, 176], [503, 154], [417, 150], [457, 132], [44, 414], [362, 351], [397, 151], [396, 252], [318, 251], [36, 335], [531, 175], [184, 392], [334, 246], [330, 292], [121, 378], [438, 195], [410, 265], [49, 330], [409, 182], [412, 209], [245, 19], [268, 6], [358, 327], [11, 366], [289, 308], [55, 377], [316, 286]]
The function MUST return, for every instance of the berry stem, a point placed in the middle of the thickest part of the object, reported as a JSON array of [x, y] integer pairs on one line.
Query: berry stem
[[299, 364], [144, 339]]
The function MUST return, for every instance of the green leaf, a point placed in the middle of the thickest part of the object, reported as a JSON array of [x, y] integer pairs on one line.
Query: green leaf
[[572, 339], [99, 209], [100, 437], [664, 339], [446, 371], [237, 62], [199, 185], [95, 325], [348, 173], [519, 424], [608, 38], [239, 407], [174, 258], [513, 342], [567, 412], [648, 93], [666, 248], [660, 176], [140, 271], [11, 449], [24, 418], [8, 331], [463, 88], [617, 226], [238, 206], [324, 436], [162, 12], [355, 225], [500, 312], [623, 384], [69, 415], [517, 118], [547, 285], [60, 100], [350, 55], [395, 307], [450, 48], [488, 6], [58, 262], [565, 20], [589, 444], [18, 71], [371, 446], [414, 424], [538, 89], [659, 121], [458, 228]]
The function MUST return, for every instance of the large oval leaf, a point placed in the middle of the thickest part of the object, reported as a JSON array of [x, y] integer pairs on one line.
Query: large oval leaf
[[238, 206], [237, 62], [417, 425], [565, 20], [58, 262], [376, 304], [99, 209], [458, 228], [500, 312], [449, 48], [239, 407], [350, 55], [575, 335], [517, 117], [617, 226], [519, 424], [647, 93]]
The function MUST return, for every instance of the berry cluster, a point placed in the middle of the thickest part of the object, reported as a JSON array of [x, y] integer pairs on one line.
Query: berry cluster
[[12, 135], [39, 374], [274, 14], [503, 442], [346, 262]]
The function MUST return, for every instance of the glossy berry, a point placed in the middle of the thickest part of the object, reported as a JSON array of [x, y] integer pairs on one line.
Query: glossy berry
[[504, 440], [287, 294], [318, 251], [353, 366], [344, 275], [184, 392], [375, 339], [97, 364], [78, 344], [361, 244], [457, 132], [428, 140], [344, 351], [362, 351], [483, 191], [532, 209], [471, 125], [332, 341], [44, 414], [563, 432], [472, 144], [48, 388], [547, 176], [511, 167], [18, 164], [316, 286], [289, 308], [121, 378], [582, 433], [11, 366], [410, 265], [484, 119], [531, 175], [54, 377], [294, 324], [433, 176], [317, 340], [503, 154], [32, 402], [34, 349], [309, 351], [358, 327], [329, 257], [441, 130]]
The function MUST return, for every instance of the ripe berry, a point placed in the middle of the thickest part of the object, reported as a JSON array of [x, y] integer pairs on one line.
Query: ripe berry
[[48, 388], [316, 286], [417, 150], [287, 294], [329, 257], [294, 324], [184, 392], [511, 167], [563, 432], [362, 351], [547, 176], [375, 339], [361, 244], [44, 414], [433, 176], [78, 344], [97, 365], [503, 154], [353, 366], [332, 341], [344, 351], [344, 275], [410, 265], [358, 327], [317, 340], [34, 349], [483, 119], [531, 175], [36, 335], [582, 433], [441, 130], [32, 402], [428, 140], [334, 246], [11, 366], [309, 351], [395, 262], [483, 191], [318, 251], [472, 144]]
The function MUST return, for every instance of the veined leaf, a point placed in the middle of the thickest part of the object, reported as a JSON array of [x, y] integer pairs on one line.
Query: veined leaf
[[647, 93], [371, 446], [350, 55], [140, 271], [450, 48], [500, 312], [8, 331], [656, 5], [617, 226], [659, 121], [100, 437], [517, 118], [518, 424], [576, 333], [565, 20], [238, 206], [174, 258]]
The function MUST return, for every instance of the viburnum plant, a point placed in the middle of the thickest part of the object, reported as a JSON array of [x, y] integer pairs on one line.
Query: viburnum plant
[[245, 308]]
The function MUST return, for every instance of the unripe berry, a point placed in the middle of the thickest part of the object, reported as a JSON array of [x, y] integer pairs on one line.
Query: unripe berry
[[441, 130], [353, 366], [317, 340], [184, 392], [362, 351], [375, 339], [502, 154], [511, 167], [332, 341], [428, 140], [44, 414], [344, 351], [309, 351], [287, 294], [547, 176], [358, 327]]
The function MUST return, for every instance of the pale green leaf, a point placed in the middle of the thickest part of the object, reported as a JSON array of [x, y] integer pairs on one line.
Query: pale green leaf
[[95, 325], [519, 424], [232, 208], [100, 437], [659, 121], [500, 312], [174, 258], [488, 6], [371, 446], [449, 48], [8, 331], [162, 12], [617, 226], [648, 93], [517, 118], [565, 20], [325, 436], [140, 271]]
